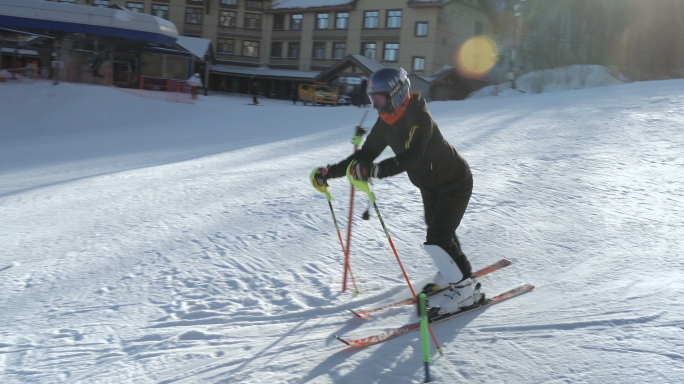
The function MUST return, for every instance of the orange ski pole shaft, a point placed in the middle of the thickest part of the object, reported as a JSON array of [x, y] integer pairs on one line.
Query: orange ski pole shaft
[[415, 298], [339, 236]]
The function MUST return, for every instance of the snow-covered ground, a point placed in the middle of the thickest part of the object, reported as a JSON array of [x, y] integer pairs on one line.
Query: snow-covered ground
[[555, 80], [150, 242]]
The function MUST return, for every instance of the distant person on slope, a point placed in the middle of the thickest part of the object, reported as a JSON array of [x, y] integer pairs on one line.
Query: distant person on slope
[[195, 81], [254, 89], [362, 91], [432, 165]]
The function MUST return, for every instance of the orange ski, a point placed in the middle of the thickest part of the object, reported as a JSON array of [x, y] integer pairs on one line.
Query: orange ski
[[391, 334], [482, 272]]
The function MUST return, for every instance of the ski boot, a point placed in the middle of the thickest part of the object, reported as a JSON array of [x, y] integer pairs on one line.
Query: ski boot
[[438, 282], [462, 295]]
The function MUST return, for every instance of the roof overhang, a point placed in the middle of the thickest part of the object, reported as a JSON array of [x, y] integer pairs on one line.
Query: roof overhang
[[70, 18], [367, 65], [264, 72], [293, 6]]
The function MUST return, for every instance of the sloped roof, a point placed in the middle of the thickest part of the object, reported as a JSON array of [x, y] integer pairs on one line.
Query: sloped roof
[[367, 64], [264, 72], [290, 4], [439, 75], [71, 18], [196, 46]]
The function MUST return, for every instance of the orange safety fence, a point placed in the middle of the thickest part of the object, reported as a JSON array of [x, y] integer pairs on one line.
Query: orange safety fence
[[164, 89]]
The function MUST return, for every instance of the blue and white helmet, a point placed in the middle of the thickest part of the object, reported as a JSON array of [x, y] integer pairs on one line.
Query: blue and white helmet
[[388, 89]]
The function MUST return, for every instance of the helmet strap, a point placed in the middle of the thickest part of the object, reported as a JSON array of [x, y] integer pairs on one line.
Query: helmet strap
[[391, 118]]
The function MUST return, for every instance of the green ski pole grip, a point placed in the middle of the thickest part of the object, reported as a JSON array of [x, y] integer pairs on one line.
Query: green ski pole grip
[[359, 184], [424, 335]]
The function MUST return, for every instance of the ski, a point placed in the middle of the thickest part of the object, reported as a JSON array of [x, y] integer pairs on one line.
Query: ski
[[384, 336], [503, 263]]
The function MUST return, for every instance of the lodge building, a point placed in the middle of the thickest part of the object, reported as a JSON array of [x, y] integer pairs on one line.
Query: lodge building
[[285, 42]]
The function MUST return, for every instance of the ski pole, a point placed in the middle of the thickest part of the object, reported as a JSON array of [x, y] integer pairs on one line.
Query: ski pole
[[424, 340], [363, 186], [356, 140], [324, 189], [339, 235]]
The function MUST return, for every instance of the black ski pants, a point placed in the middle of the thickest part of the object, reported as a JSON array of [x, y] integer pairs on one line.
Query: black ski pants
[[443, 214]]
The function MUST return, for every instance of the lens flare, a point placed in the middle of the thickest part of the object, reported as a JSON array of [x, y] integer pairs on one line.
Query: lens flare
[[476, 57]]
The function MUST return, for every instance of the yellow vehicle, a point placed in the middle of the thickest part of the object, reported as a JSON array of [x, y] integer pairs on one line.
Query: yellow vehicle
[[318, 93]]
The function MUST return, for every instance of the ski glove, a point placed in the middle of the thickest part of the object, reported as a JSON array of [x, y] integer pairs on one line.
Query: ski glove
[[364, 171], [319, 179]]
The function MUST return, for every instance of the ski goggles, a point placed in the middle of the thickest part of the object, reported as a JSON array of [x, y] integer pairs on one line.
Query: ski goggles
[[378, 100]]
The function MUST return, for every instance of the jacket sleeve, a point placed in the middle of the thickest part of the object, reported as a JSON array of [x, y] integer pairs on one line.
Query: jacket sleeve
[[416, 146], [371, 149]]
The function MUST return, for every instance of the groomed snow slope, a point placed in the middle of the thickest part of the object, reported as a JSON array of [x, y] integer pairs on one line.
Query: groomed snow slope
[[150, 242]]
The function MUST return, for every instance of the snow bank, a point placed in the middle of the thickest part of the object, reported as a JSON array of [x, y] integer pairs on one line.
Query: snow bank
[[556, 80], [503, 90], [568, 78]]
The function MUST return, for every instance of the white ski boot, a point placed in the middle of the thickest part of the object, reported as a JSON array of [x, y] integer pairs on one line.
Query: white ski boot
[[465, 293], [462, 292], [437, 283]]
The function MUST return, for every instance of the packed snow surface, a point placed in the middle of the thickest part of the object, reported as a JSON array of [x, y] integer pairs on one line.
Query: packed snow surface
[[151, 242]]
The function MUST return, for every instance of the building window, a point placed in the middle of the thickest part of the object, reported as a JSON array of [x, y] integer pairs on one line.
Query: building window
[[319, 51], [421, 28], [229, 2], [339, 50], [68, 1], [101, 3], [161, 11], [193, 16], [135, 7], [322, 20], [225, 46], [391, 52], [253, 21], [296, 22], [278, 22], [255, 4], [369, 50], [276, 49], [393, 19], [371, 19], [293, 51], [418, 63], [250, 48], [227, 19], [342, 20], [478, 28]]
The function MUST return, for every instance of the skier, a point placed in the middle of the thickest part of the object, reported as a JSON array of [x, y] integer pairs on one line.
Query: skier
[[362, 91], [432, 165], [254, 88], [294, 95], [195, 81]]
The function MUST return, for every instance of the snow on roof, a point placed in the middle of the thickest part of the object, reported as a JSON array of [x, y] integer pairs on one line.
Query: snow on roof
[[264, 71], [372, 64], [446, 70], [71, 18], [286, 4], [194, 45]]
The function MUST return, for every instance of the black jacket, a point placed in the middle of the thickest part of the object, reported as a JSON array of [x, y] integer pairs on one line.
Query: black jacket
[[431, 163]]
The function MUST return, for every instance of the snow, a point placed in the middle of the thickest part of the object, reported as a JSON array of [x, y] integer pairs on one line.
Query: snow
[[194, 45], [286, 4], [371, 64], [265, 71], [153, 242], [556, 80]]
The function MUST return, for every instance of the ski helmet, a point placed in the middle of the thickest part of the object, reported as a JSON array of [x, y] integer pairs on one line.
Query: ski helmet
[[388, 88]]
